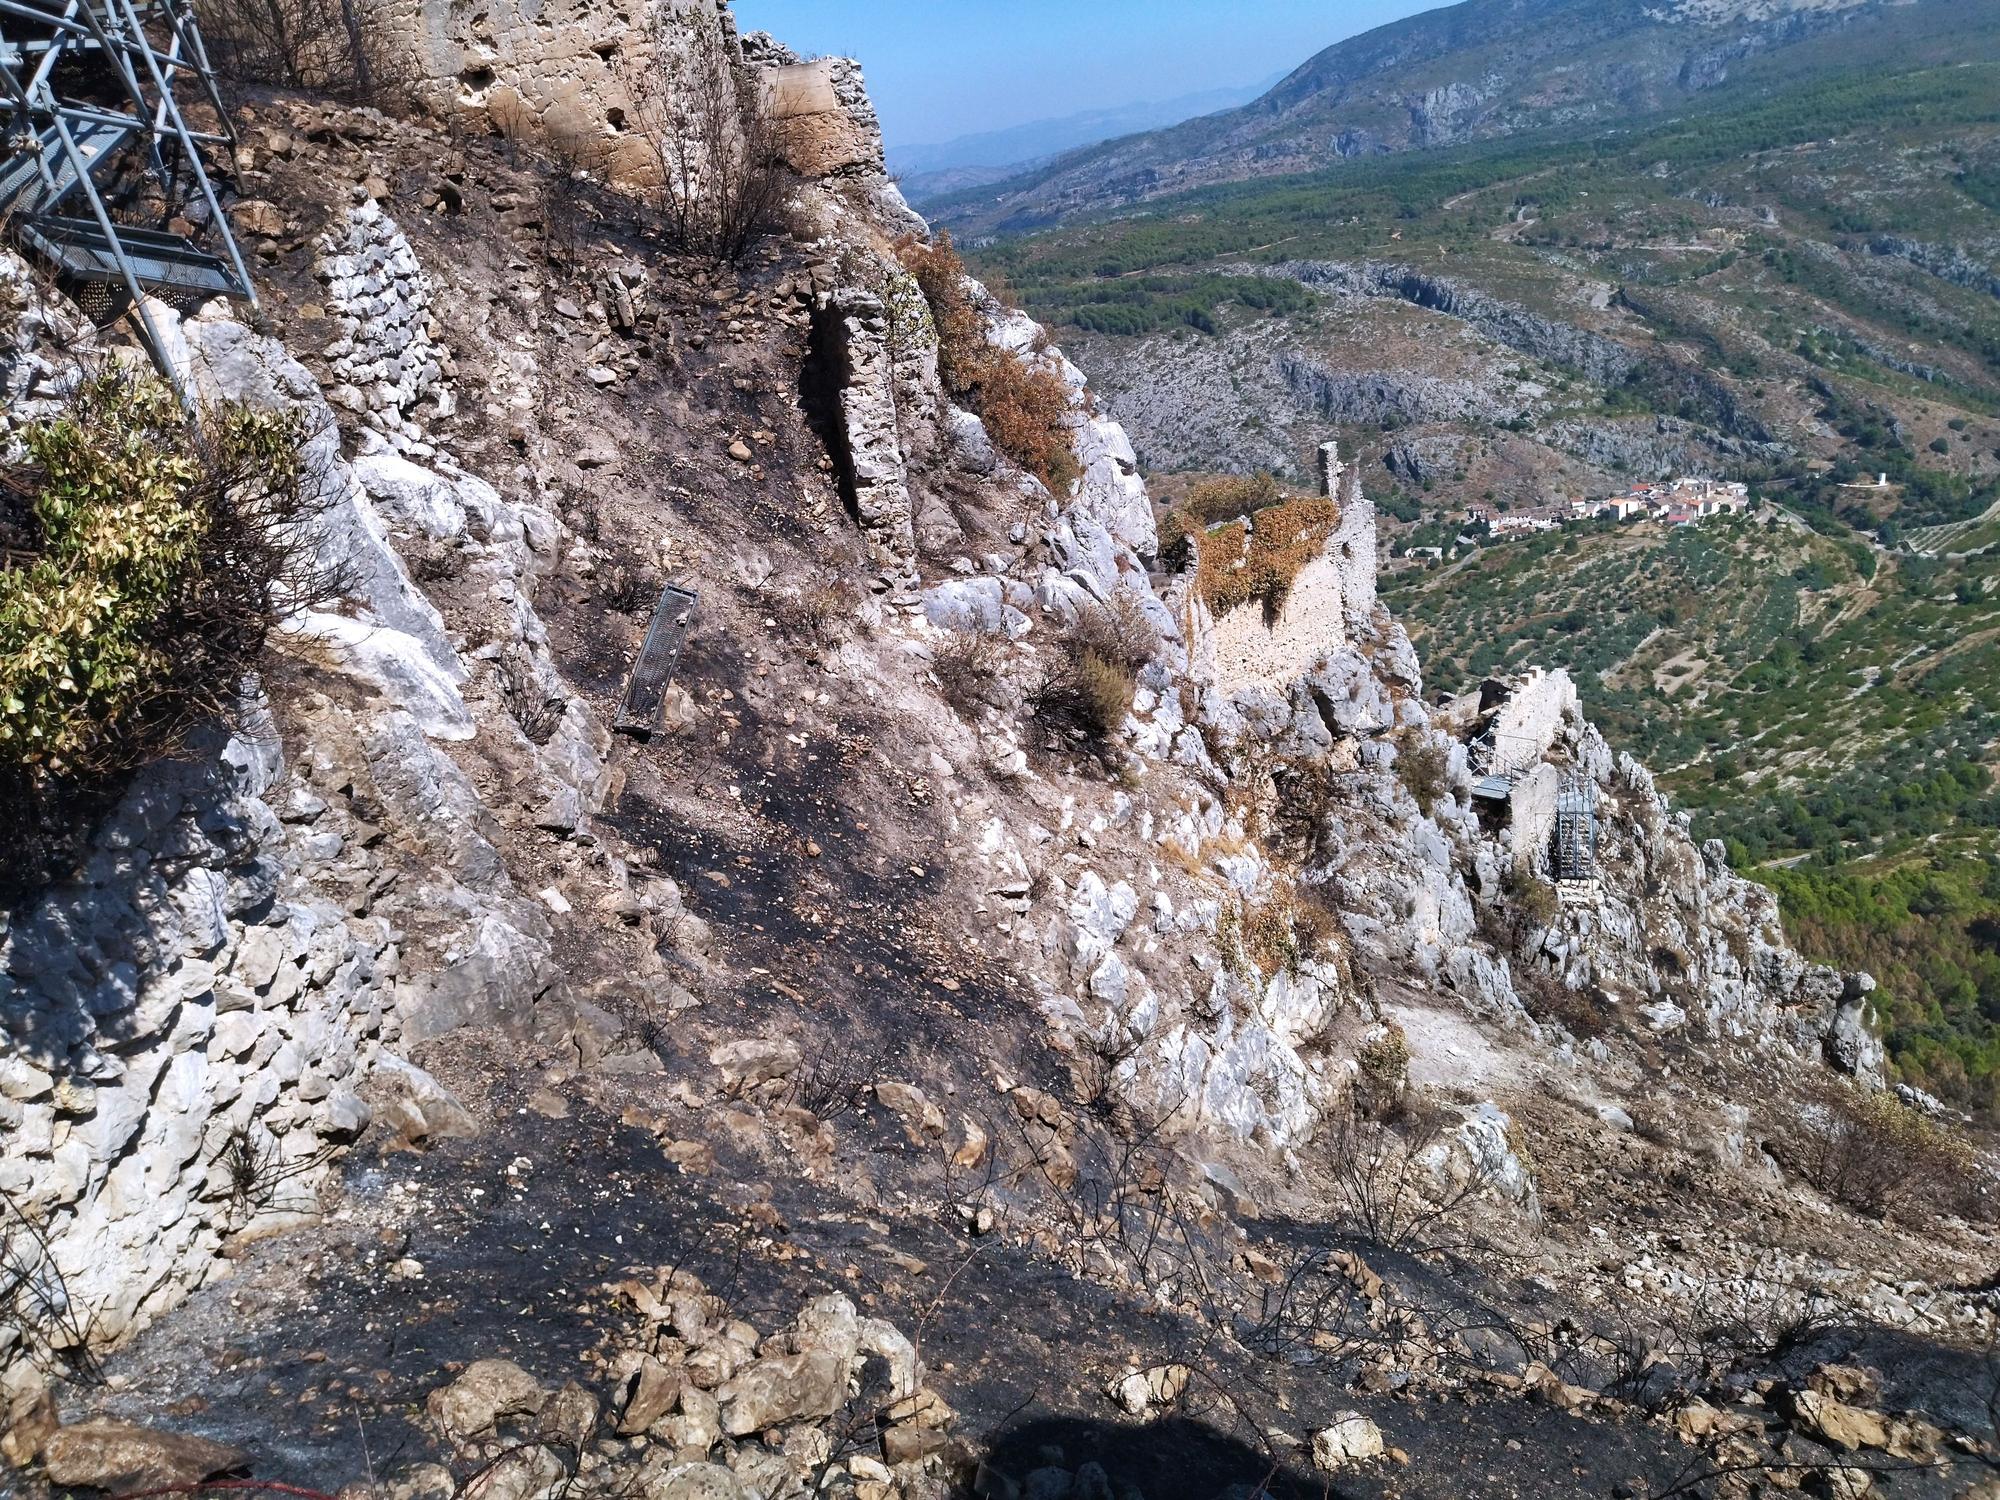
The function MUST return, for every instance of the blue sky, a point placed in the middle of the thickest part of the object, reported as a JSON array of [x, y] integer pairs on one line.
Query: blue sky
[[938, 69]]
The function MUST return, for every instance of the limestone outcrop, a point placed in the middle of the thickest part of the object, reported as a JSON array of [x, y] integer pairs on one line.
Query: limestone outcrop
[[190, 1025]]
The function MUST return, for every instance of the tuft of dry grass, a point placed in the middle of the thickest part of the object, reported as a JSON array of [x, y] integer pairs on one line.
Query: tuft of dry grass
[[1089, 689], [965, 666], [1084, 694], [818, 612]]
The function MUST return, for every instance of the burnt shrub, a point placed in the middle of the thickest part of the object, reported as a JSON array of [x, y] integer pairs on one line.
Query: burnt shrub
[[344, 48], [629, 591], [162, 547], [1879, 1157], [723, 179], [1307, 796], [819, 612]]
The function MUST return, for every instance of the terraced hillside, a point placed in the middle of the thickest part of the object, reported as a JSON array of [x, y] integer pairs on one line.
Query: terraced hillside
[[1805, 279], [1827, 709]]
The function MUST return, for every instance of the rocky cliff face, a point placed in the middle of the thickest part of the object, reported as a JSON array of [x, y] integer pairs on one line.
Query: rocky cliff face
[[848, 973]]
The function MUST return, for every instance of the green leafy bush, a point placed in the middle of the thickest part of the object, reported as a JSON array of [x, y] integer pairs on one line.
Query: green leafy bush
[[162, 547]]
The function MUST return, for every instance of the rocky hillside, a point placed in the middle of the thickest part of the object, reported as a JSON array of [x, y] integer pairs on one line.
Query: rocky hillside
[[1043, 1012], [1796, 293], [1479, 70]]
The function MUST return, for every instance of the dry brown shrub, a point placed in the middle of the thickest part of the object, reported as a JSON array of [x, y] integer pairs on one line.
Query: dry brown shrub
[[1422, 770], [1025, 404], [1270, 941], [1119, 631], [965, 666], [1548, 999], [1881, 1158], [343, 48], [1225, 499], [1026, 411], [1235, 564], [940, 274], [1086, 694], [1315, 921], [1382, 1073]]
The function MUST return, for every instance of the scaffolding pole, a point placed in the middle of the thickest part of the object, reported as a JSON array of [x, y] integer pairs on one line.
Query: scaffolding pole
[[90, 113]]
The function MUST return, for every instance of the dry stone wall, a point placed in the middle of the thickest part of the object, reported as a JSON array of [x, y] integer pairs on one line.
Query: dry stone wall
[[183, 1028], [386, 359]]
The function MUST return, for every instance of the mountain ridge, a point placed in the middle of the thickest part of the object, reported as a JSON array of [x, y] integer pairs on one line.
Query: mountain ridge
[[1009, 149], [1478, 70]]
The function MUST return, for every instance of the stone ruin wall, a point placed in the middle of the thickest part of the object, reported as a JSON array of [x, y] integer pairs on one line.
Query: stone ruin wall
[[1331, 602], [1252, 648], [824, 121], [551, 72], [193, 1024], [555, 73], [1529, 721]]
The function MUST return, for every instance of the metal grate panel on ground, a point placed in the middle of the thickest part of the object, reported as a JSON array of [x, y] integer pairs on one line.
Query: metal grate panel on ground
[[653, 672]]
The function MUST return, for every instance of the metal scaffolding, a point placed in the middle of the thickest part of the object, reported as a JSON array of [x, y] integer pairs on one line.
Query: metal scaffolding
[[1576, 829], [95, 139], [1499, 762]]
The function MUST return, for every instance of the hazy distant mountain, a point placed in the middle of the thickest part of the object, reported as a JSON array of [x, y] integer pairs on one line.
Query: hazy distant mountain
[[991, 155], [1465, 72]]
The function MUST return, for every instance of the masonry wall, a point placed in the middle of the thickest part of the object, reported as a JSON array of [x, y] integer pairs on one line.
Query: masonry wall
[[1528, 722], [1274, 652], [553, 72], [193, 1024]]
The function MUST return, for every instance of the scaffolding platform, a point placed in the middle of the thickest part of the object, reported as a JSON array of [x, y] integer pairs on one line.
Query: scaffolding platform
[[96, 156], [1498, 765], [1575, 853]]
